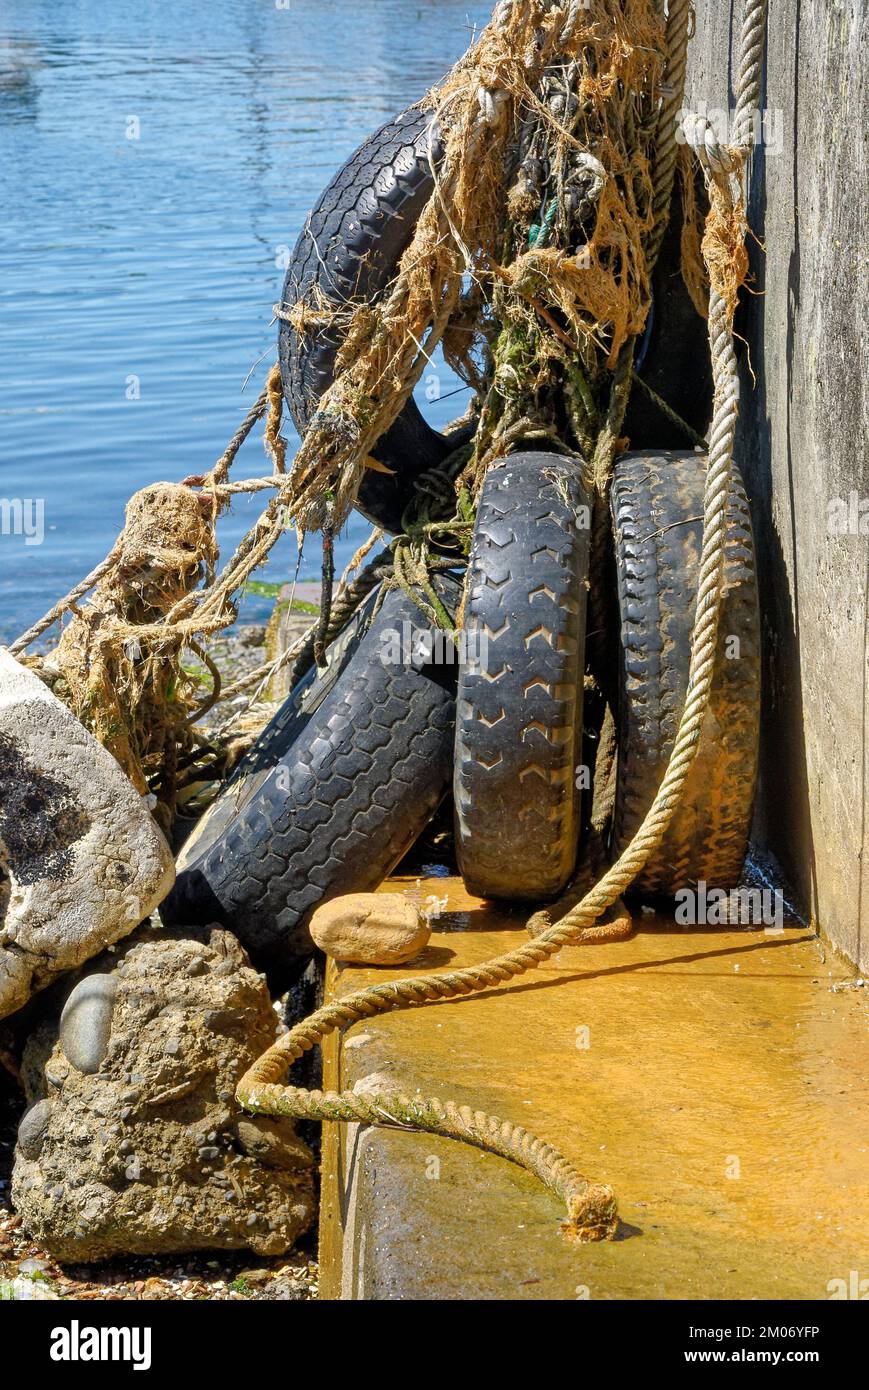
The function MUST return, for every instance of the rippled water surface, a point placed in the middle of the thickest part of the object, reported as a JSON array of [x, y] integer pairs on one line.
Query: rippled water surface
[[152, 263]]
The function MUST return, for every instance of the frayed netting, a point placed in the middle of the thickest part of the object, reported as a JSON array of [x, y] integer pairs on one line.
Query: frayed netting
[[530, 266], [531, 255], [132, 693]]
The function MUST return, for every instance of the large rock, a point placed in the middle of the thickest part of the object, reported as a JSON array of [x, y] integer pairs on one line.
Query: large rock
[[370, 928], [82, 862], [145, 1151]]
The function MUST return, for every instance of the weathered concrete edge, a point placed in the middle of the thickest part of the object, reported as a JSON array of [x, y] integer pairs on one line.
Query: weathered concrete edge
[[801, 440]]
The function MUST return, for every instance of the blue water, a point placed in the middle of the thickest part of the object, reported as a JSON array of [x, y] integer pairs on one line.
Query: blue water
[[157, 258]]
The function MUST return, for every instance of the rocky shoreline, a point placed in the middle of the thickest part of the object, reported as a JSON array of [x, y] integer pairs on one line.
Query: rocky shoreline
[[285, 1269]]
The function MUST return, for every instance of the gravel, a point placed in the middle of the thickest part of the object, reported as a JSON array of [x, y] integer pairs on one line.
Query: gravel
[[227, 1278]]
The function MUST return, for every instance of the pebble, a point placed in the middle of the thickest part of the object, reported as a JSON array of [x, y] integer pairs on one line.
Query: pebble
[[370, 928], [86, 1022], [33, 1129]]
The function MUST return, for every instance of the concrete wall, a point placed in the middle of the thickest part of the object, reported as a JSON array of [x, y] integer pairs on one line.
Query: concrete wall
[[803, 437]]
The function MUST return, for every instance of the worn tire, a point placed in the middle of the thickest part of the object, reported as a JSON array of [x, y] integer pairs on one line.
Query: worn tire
[[676, 360], [348, 252], [657, 508], [520, 695], [332, 795]]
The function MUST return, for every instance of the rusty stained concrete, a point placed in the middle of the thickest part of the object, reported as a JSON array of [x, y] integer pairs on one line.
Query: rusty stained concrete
[[802, 441], [711, 1053], [721, 1092]]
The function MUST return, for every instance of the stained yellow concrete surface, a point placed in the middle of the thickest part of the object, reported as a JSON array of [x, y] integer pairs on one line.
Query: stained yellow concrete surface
[[714, 1077]]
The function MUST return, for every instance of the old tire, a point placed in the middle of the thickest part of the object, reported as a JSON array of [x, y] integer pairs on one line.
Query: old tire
[[676, 363], [657, 508], [348, 252], [331, 796], [520, 695]]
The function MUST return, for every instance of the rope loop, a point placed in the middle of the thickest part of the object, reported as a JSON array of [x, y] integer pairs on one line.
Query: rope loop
[[492, 102], [699, 133]]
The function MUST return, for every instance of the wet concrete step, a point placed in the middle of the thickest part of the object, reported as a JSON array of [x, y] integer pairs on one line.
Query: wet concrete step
[[714, 1077]]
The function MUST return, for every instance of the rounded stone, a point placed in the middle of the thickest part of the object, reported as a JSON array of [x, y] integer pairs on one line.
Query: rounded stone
[[141, 1187], [273, 1143], [86, 1022], [33, 1128], [370, 928]]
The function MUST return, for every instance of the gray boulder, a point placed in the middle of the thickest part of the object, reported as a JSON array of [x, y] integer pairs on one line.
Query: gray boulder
[[134, 1143], [82, 861]]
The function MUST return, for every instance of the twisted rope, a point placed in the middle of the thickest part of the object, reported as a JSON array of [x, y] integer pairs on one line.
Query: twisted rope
[[752, 52], [215, 480], [667, 145], [65, 604], [717, 158], [221, 469], [350, 596]]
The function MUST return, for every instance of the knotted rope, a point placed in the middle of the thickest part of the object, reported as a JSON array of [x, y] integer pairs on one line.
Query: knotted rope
[[591, 1208]]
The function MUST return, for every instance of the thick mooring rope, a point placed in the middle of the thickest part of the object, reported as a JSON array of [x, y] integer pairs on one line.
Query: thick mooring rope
[[591, 1208], [216, 483], [678, 17]]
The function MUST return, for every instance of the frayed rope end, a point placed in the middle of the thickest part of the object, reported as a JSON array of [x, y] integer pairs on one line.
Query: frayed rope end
[[591, 1215]]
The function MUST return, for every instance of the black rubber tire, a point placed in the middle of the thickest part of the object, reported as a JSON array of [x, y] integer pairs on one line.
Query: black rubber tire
[[657, 508], [348, 252], [332, 795], [520, 696], [676, 362]]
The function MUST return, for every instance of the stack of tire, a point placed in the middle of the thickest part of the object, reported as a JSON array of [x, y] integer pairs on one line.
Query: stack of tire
[[355, 764]]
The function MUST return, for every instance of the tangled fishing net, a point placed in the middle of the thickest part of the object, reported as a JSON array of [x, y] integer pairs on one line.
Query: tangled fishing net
[[531, 265]]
